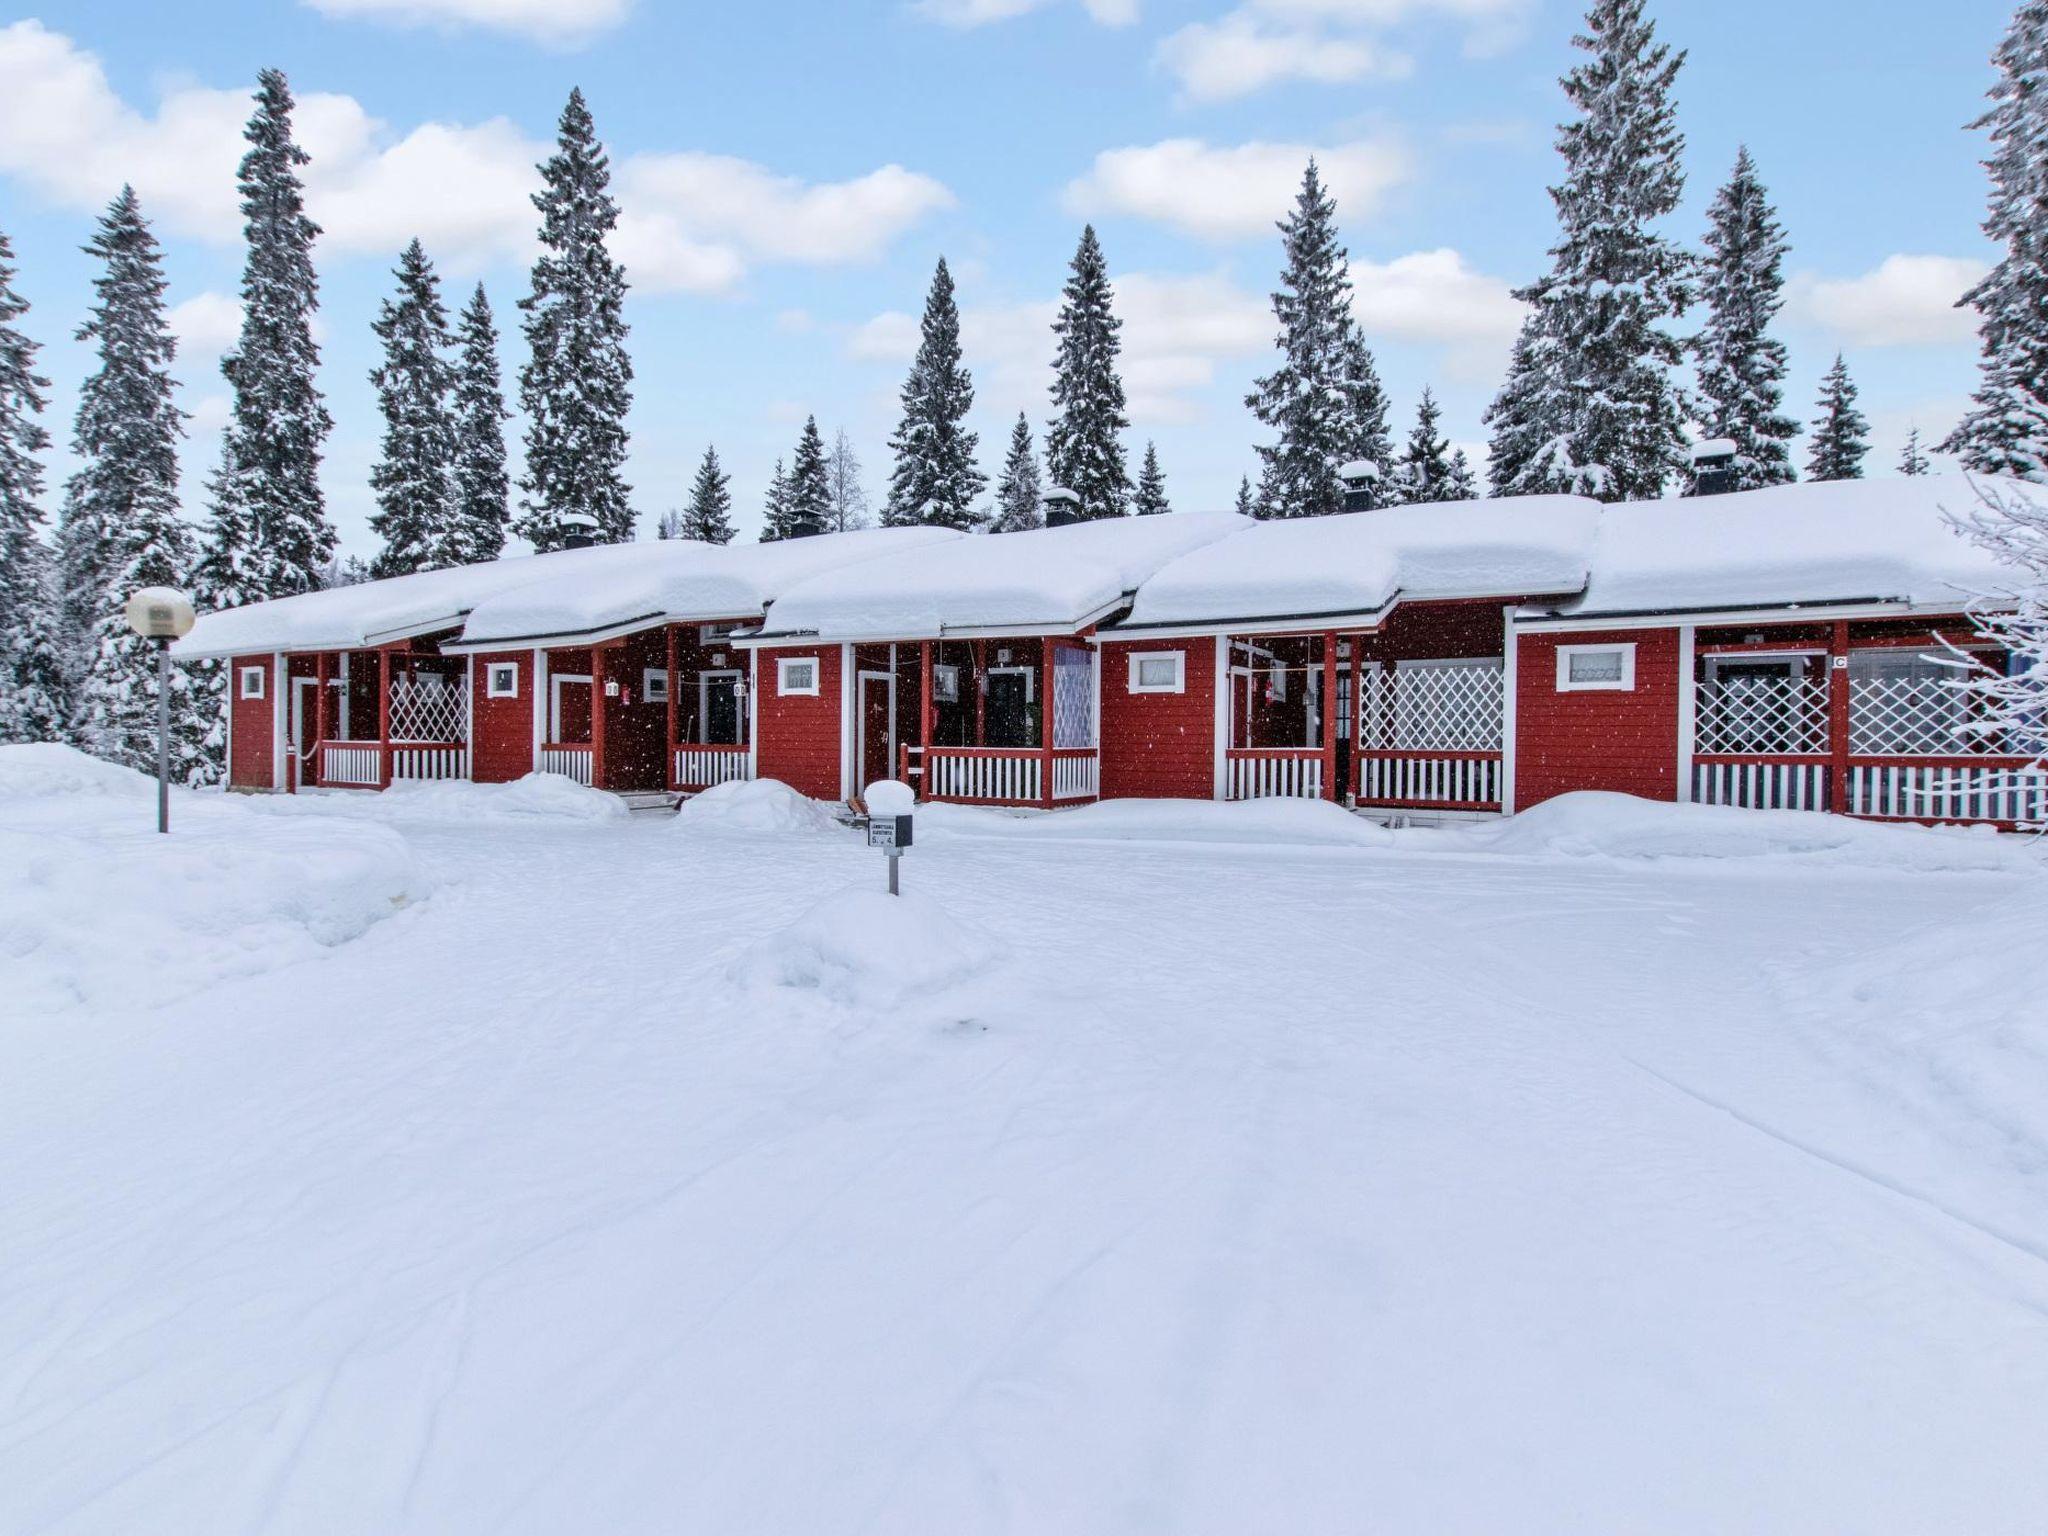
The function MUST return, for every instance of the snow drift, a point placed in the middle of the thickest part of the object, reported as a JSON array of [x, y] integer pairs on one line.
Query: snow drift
[[99, 910], [754, 805], [538, 796], [1278, 821], [865, 948]]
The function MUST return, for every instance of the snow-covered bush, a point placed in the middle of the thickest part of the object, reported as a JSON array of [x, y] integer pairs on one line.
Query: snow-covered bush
[[2013, 525]]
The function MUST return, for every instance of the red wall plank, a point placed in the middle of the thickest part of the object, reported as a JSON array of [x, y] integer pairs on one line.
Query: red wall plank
[[252, 724], [799, 734], [1159, 744], [504, 727], [1625, 741]]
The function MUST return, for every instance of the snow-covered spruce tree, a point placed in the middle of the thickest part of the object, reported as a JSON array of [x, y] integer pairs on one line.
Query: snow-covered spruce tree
[[1841, 437], [935, 479], [2005, 431], [1520, 419], [1246, 505], [279, 421], [708, 515], [1083, 444], [1365, 414], [576, 385], [1019, 492], [2013, 526], [120, 519], [1463, 485], [1741, 366], [414, 474], [1151, 497], [1312, 400], [810, 486], [1425, 472], [31, 663], [1601, 403], [1912, 460], [482, 487], [849, 494], [775, 511]]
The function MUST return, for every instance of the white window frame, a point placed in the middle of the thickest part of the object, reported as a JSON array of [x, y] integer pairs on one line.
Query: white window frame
[[1179, 662], [654, 685], [1626, 683], [501, 680], [784, 688], [252, 684]]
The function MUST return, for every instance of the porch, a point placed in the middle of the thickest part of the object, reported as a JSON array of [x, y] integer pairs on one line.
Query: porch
[[1008, 722], [414, 700], [1865, 719]]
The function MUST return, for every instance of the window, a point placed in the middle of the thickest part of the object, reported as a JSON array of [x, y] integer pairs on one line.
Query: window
[[252, 682], [653, 685], [1587, 668], [707, 634], [501, 680], [796, 674], [1158, 672]]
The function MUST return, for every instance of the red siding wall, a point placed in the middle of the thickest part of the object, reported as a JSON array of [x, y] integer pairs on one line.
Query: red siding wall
[[799, 735], [251, 722], [504, 727], [1159, 744], [1596, 740]]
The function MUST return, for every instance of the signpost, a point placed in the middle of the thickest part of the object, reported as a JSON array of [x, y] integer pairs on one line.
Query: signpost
[[160, 615], [889, 803]]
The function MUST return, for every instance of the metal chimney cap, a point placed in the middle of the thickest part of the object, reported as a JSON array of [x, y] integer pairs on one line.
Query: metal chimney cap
[[1713, 448]]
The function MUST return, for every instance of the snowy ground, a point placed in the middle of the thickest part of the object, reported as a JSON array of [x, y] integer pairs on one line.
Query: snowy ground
[[1325, 1182]]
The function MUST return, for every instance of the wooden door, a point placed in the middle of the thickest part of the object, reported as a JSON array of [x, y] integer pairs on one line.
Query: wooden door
[[877, 728]]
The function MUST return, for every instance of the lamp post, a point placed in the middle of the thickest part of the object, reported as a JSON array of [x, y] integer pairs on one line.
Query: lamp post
[[160, 615]]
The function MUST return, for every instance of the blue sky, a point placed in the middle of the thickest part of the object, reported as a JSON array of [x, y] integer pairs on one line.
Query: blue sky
[[789, 172]]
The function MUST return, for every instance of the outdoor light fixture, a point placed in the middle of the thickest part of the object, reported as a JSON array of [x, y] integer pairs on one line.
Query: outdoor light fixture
[[161, 615]]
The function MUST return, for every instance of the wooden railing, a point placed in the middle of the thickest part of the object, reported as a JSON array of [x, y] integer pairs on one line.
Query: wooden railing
[[1423, 780], [352, 764], [699, 766], [1076, 773], [360, 764], [1762, 782], [977, 775], [1255, 773], [567, 757], [416, 760], [2003, 791]]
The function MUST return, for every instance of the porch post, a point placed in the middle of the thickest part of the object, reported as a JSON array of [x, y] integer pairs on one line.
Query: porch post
[[924, 714], [668, 750], [1838, 717], [980, 684], [383, 717], [597, 717], [1688, 708], [320, 669], [541, 722], [1330, 717], [1045, 655]]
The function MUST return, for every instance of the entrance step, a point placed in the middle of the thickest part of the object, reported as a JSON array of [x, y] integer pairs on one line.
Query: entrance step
[[648, 802]]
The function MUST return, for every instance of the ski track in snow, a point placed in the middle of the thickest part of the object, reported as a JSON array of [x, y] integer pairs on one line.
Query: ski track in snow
[[1255, 1189]]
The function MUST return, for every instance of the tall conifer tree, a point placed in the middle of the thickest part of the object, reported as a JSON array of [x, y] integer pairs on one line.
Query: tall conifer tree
[[1019, 492], [482, 487], [2006, 429], [1741, 366], [1913, 461], [279, 420], [576, 385], [1592, 406], [120, 517], [935, 479], [414, 477], [810, 486], [1516, 420], [31, 664], [1151, 498], [1084, 444], [1427, 471], [775, 513], [708, 516], [1841, 436]]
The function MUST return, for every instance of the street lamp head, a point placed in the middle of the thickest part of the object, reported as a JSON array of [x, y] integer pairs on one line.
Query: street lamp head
[[159, 613]]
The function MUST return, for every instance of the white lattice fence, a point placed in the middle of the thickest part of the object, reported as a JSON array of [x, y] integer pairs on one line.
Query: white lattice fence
[[429, 705], [1433, 706], [1073, 697], [1912, 717], [1761, 714]]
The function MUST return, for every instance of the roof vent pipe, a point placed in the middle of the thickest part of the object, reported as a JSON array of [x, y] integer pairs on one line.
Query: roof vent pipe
[[1713, 467], [1361, 481], [1062, 507]]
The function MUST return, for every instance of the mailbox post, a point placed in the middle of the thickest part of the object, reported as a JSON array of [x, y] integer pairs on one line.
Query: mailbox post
[[160, 615], [889, 803]]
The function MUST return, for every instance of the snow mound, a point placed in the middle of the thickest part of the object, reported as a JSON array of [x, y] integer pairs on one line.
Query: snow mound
[[1592, 823], [754, 805], [538, 796], [1275, 821], [44, 770], [865, 948], [107, 913]]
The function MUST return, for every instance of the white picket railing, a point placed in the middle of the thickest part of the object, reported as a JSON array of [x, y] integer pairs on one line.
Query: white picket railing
[[352, 764], [1076, 776], [429, 760], [700, 767], [572, 760], [1761, 786], [1466, 781], [2003, 792], [1257, 773], [986, 775]]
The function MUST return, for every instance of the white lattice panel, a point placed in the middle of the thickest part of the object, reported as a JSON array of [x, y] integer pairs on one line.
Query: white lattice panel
[[1911, 717], [1433, 707], [429, 705], [1761, 714], [1073, 698]]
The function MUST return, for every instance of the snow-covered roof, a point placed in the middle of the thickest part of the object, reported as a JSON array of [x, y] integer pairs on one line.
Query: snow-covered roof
[[373, 612], [1046, 580], [680, 579], [1831, 542], [1357, 562]]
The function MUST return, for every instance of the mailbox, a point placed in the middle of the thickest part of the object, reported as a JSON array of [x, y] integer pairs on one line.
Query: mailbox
[[890, 832]]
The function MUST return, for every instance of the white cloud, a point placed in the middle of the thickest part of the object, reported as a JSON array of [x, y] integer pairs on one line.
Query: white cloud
[[1226, 192], [206, 325], [558, 23], [1905, 301], [1241, 53], [692, 221], [1435, 297], [980, 13]]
